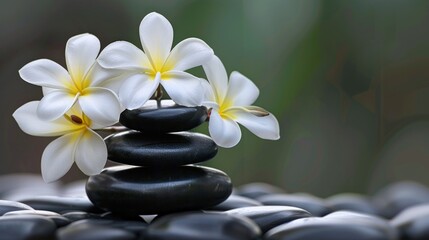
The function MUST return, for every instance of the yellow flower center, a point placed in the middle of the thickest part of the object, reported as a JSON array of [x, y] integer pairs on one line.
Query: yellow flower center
[[159, 66], [223, 109]]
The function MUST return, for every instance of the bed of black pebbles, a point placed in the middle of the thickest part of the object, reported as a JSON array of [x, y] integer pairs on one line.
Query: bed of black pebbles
[[158, 192]]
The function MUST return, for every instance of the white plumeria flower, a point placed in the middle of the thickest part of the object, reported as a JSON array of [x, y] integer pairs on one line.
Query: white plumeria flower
[[158, 64], [78, 143], [230, 104], [83, 83]]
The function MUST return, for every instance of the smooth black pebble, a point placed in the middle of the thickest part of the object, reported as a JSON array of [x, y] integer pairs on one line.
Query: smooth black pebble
[[168, 117], [132, 226], [62, 204], [351, 202], [335, 226], [413, 223], [235, 201], [55, 217], [139, 190], [268, 217], [76, 216], [198, 226], [396, 197], [26, 227], [312, 204], [164, 150], [9, 206], [89, 231]]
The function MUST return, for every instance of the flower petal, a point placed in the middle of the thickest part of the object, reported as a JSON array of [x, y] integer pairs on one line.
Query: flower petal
[[218, 78], [101, 105], [156, 35], [115, 83], [81, 52], [58, 156], [124, 55], [30, 123], [224, 131], [46, 73], [241, 90], [266, 127], [183, 88], [97, 75], [46, 90], [91, 153], [209, 95], [55, 104], [189, 53], [137, 89]]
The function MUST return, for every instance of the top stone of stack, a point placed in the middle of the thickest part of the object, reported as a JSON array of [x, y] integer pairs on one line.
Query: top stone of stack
[[163, 117]]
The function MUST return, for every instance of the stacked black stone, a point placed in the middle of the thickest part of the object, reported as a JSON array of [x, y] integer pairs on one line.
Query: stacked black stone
[[160, 176]]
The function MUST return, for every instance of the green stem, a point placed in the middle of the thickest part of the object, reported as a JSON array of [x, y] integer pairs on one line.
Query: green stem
[[158, 95]]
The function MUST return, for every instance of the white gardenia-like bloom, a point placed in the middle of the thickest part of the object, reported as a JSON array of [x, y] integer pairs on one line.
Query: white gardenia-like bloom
[[230, 103], [82, 83], [78, 143], [158, 64]]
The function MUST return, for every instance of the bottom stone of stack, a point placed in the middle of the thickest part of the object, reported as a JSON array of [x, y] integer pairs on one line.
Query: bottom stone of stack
[[130, 190]]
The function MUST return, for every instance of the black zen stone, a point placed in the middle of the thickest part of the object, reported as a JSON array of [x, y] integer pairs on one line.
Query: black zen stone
[[198, 226], [127, 190], [268, 217], [32, 212], [132, 226], [312, 204], [168, 117], [235, 201], [396, 197], [163, 150], [26, 227], [76, 216], [62, 204], [413, 223], [9, 206], [55, 217], [336, 226], [257, 189], [89, 231], [351, 202]]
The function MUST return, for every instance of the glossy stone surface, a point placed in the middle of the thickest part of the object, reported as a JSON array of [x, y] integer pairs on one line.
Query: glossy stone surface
[[168, 117], [62, 204], [336, 226], [396, 197], [413, 223], [351, 202], [9, 206], [26, 227], [198, 226], [88, 231], [32, 212], [312, 204], [235, 201], [55, 217], [76, 216], [139, 190], [257, 189], [268, 217], [131, 226], [165, 150]]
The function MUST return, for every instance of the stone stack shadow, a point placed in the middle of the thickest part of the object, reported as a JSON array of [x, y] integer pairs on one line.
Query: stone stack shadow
[[160, 175]]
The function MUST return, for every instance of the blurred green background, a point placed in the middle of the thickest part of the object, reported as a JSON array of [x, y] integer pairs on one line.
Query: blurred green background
[[347, 80]]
